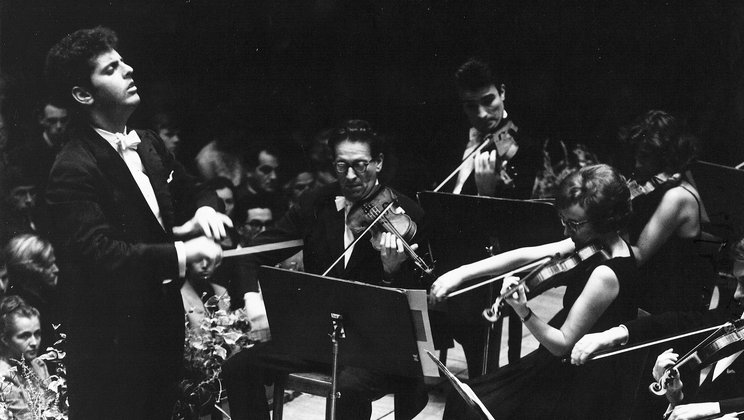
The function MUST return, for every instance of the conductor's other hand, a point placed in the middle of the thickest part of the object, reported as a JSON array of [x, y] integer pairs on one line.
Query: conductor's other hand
[[206, 221], [203, 249]]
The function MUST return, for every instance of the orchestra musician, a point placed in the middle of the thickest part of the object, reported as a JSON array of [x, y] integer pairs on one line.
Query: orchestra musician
[[506, 167], [594, 206], [728, 383], [666, 222], [323, 220], [112, 194]]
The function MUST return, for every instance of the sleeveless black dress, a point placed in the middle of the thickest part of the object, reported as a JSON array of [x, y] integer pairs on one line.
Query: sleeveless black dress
[[543, 386], [677, 277]]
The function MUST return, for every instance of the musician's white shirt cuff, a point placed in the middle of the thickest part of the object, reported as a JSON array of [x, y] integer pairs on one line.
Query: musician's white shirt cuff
[[627, 334], [181, 253]]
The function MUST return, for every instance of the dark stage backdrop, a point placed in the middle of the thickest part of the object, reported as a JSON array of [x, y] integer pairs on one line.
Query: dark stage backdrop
[[574, 71]]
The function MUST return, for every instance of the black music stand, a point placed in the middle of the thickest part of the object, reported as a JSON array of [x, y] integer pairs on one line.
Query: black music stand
[[371, 327], [466, 225], [720, 189]]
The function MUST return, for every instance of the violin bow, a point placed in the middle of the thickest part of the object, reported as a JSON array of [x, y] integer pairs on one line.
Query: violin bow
[[528, 266], [354, 242], [485, 142], [603, 355], [262, 248]]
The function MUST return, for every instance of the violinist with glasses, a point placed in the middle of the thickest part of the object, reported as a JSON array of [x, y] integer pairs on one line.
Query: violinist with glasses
[[594, 206], [719, 387], [331, 222]]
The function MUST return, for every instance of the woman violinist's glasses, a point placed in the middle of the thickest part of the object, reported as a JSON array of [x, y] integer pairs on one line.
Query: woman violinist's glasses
[[574, 225], [359, 166]]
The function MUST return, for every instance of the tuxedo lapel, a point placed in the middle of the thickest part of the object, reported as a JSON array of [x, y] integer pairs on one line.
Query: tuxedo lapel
[[155, 171], [115, 169]]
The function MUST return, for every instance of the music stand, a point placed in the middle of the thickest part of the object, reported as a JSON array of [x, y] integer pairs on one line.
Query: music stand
[[720, 189], [466, 225], [380, 332]]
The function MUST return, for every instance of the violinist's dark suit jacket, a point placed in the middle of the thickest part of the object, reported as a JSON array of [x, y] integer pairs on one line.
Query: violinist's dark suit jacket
[[125, 326], [317, 221], [728, 388]]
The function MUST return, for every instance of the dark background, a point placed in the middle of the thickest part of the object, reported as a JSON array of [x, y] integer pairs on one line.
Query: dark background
[[289, 68]]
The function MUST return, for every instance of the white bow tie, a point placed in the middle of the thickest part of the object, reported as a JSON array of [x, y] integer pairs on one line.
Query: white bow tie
[[127, 141]]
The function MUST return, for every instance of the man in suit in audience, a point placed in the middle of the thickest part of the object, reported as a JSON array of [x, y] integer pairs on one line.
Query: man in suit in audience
[[114, 195]]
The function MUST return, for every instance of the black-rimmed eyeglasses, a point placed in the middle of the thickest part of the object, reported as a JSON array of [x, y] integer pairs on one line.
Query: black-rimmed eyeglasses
[[359, 166]]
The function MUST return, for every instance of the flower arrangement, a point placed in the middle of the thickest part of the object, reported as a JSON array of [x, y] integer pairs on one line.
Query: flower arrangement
[[219, 335], [44, 396]]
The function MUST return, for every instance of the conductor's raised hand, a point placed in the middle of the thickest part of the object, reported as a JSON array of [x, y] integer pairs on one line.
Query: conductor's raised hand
[[206, 221]]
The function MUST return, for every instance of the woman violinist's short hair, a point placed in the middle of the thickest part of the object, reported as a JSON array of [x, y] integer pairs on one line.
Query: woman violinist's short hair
[[602, 192], [661, 138], [356, 131], [12, 307]]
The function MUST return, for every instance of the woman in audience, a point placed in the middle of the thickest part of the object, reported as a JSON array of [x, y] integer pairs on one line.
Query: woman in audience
[[199, 294], [20, 342], [594, 206], [32, 273]]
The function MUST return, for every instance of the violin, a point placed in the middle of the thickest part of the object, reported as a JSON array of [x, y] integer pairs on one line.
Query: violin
[[378, 214], [495, 139], [539, 276], [725, 341], [658, 180]]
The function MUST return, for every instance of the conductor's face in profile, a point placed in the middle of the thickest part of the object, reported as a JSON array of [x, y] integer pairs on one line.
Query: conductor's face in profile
[[356, 169]]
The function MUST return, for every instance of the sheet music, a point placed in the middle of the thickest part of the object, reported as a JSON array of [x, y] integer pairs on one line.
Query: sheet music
[[420, 312]]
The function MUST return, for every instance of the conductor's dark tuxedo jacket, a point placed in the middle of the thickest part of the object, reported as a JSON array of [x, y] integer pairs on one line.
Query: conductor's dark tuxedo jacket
[[114, 257]]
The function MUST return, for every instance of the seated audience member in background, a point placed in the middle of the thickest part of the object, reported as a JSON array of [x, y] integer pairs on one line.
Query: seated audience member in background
[[21, 211], [37, 153], [198, 292], [20, 343], [262, 181], [594, 206], [257, 219], [4, 280], [223, 157], [667, 221], [303, 181], [168, 129], [226, 192], [32, 272]]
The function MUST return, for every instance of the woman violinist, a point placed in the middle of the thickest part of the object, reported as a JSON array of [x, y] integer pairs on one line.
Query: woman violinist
[[666, 222], [594, 206]]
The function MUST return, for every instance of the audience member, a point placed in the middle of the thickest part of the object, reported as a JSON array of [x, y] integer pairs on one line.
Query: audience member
[[38, 152], [262, 181], [33, 275], [168, 129], [200, 294], [303, 181], [223, 157], [257, 219], [20, 342], [21, 212]]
